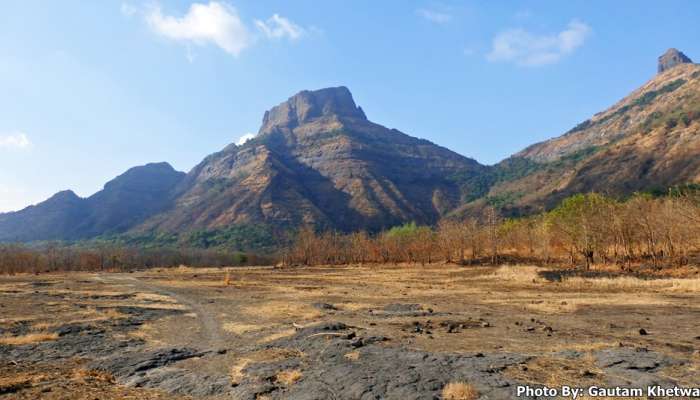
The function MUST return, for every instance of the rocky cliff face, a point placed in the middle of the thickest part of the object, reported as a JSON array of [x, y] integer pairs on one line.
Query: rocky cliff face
[[671, 58], [318, 160]]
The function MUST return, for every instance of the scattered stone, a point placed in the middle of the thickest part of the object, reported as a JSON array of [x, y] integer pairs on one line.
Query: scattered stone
[[325, 306]]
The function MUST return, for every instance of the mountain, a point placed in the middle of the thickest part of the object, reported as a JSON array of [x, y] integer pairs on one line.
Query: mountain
[[647, 141], [318, 160], [124, 202]]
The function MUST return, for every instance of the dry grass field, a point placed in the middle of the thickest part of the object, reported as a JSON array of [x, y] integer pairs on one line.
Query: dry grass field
[[409, 331]]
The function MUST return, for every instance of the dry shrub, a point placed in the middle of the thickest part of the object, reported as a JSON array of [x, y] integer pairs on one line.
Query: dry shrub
[[240, 329], [459, 391], [28, 339], [289, 377], [93, 375], [632, 283], [521, 274]]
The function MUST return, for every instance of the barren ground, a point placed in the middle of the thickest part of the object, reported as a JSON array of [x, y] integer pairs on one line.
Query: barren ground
[[339, 332]]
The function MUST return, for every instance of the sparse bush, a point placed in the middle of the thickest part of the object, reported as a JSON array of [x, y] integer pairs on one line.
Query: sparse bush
[[459, 391], [590, 228]]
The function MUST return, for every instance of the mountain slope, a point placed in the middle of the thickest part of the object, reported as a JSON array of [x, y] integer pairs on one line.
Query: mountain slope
[[124, 202], [318, 160], [648, 141]]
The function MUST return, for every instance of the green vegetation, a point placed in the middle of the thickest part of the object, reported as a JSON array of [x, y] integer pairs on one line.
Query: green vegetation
[[575, 157], [217, 185], [582, 126], [237, 237], [682, 116], [503, 200], [644, 100], [649, 96]]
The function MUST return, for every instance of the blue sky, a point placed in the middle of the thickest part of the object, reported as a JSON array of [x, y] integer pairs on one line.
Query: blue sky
[[93, 88]]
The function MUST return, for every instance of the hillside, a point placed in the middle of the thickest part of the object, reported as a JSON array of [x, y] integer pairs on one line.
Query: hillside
[[318, 160], [124, 202], [648, 141]]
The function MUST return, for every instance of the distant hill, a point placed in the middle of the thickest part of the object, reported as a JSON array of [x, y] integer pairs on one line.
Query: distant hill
[[319, 160], [124, 202]]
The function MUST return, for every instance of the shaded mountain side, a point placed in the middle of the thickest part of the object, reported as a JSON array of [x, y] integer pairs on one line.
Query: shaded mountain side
[[318, 160], [54, 218], [123, 203], [648, 141]]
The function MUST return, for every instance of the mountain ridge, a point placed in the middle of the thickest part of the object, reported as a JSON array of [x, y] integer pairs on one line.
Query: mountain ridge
[[317, 160]]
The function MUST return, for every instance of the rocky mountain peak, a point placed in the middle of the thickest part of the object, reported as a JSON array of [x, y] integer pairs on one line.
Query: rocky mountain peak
[[671, 58], [309, 105]]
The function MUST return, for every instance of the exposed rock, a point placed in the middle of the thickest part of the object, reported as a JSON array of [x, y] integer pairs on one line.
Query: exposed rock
[[306, 106], [671, 58], [318, 160]]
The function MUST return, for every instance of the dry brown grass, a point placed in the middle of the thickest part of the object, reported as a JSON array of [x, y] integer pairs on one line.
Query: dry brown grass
[[519, 274], [289, 377], [240, 329], [628, 283], [86, 375], [28, 339], [268, 355], [459, 391], [278, 335], [283, 310], [9, 384]]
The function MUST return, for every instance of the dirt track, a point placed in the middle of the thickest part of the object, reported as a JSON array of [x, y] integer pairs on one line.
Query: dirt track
[[344, 333]]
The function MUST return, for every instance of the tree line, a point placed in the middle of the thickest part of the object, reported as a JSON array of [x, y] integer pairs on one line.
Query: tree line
[[53, 257], [584, 229]]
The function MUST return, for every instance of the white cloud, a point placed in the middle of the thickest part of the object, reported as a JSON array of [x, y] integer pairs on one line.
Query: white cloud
[[277, 27], [525, 48], [129, 10], [241, 141], [216, 23], [17, 140], [434, 16]]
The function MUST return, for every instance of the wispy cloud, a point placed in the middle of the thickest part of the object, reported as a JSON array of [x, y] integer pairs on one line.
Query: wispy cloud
[[246, 137], [438, 17], [15, 141], [129, 9], [277, 27], [214, 23], [529, 49]]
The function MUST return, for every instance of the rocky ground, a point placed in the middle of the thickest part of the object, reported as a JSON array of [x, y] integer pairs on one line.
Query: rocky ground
[[339, 333]]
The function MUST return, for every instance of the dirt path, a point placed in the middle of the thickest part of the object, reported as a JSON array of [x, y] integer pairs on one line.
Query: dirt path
[[211, 330]]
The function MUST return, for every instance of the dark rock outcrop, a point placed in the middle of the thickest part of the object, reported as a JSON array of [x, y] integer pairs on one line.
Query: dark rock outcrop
[[671, 58]]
